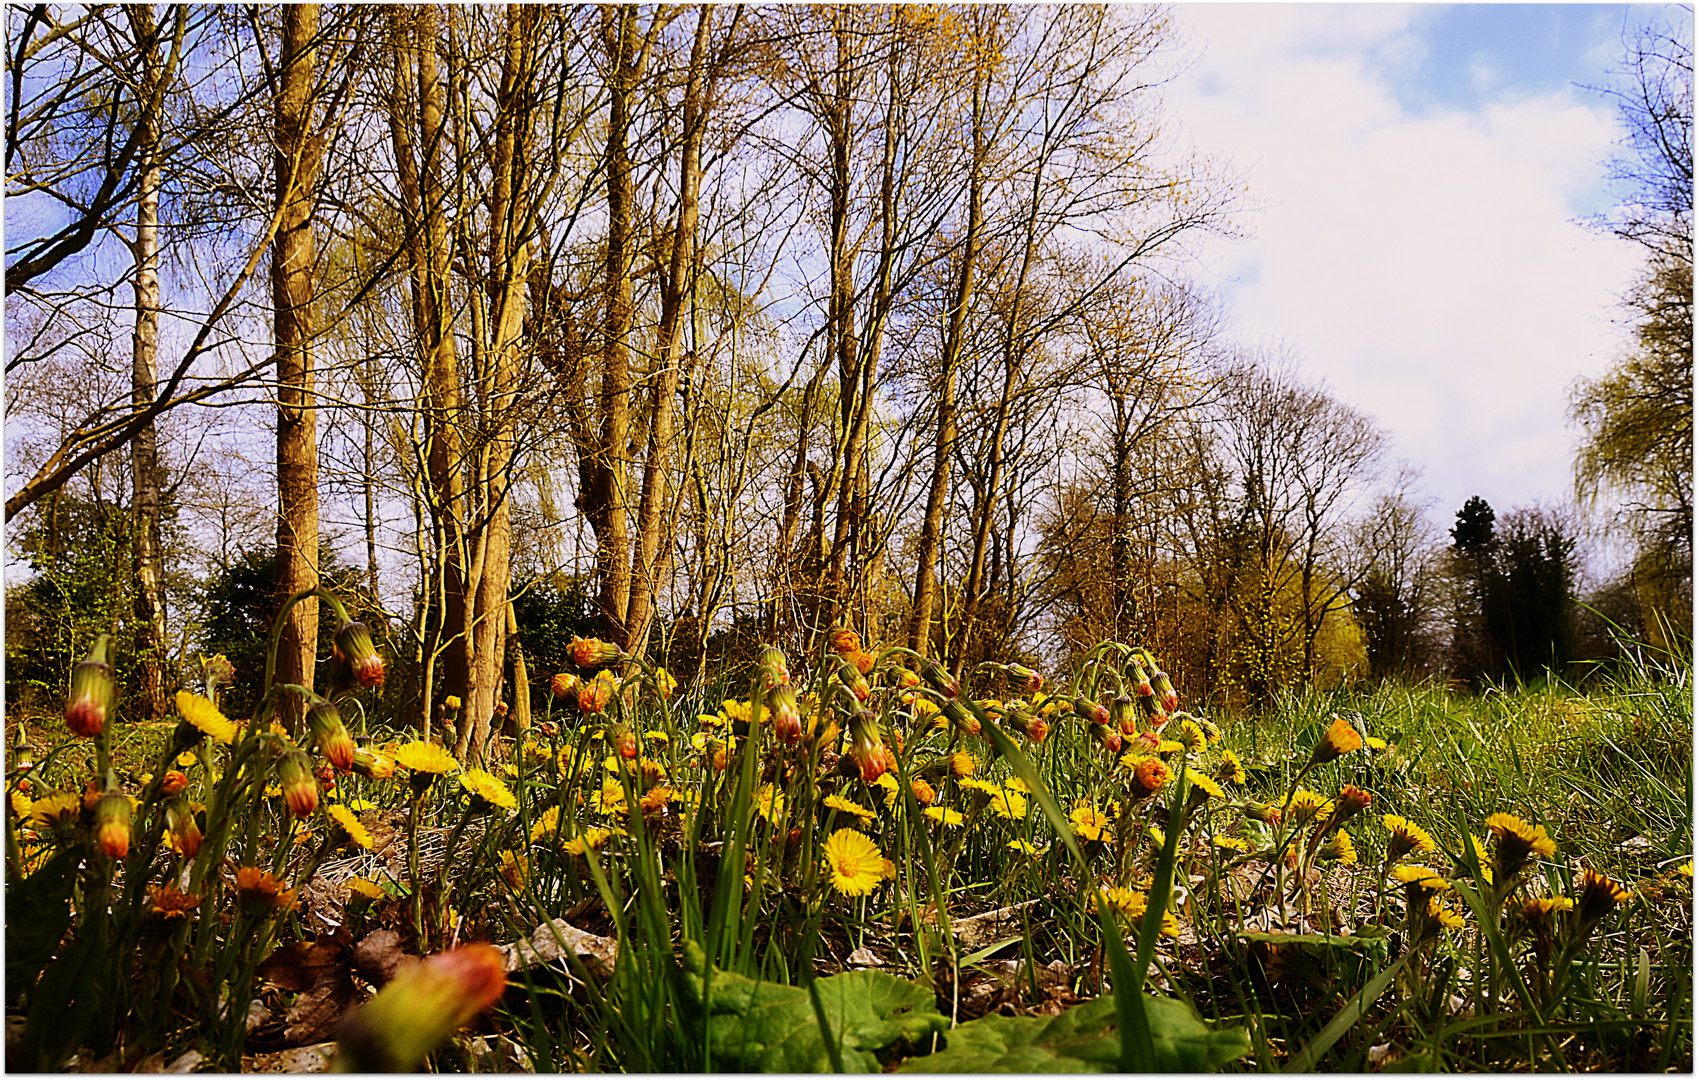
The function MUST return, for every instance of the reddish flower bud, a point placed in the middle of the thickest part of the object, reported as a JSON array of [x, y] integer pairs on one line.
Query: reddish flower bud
[[1107, 739], [939, 678], [1091, 712], [112, 824], [352, 646], [93, 691], [564, 684], [184, 830], [420, 1008], [786, 717], [1032, 727], [863, 661], [593, 652], [845, 641], [324, 719], [300, 790], [371, 766], [962, 719], [1024, 678], [1123, 714], [773, 670], [1165, 694], [173, 781], [623, 740], [594, 695], [853, 679]]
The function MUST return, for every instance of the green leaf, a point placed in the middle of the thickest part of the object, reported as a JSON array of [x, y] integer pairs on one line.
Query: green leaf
[[1082, 1039], [38, 910], [770, 1027]]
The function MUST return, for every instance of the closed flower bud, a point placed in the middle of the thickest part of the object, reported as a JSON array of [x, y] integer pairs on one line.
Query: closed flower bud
[[217, 672], [419, 1009], [324, 720], [112, 825], [939, 678], [371, 766], [786, 718], [863, 661], [594, 695], [962, 720], [623, 741], [1024, 679], [845, 641], [184, 830], [1149, 776], [1123, 714], [1107, 739], [1139, 678], [1091, 712], [300, 790], [865, 746], [1165, 694], [853, 679], [175, 780], [773, 670], [93, 691], [593, 652], [1032, 727], [564, 684], [352, 646]]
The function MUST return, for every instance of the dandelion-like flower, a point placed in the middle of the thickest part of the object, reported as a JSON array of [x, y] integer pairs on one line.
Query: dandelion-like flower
[[169, 902], [1025, 847], [371, 890], [55, 813], [1339, 848], [769, 803], [1516, 842], [346, 821], [425, 757], [1089, 823], [485, 788], [593, 652], [1406, 836], [589, 840], [1341, 738], [1420, 877], [855, 863], [848, 806], [1599, 895], [1306, 806], [943, 815], [262, 891], [1204, 783], [204, 715], [1190, 735], [1445, 915], [1132, 905], [1231, 770]]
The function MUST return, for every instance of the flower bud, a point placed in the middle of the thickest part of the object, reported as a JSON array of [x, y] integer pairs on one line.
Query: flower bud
[[370, 765], [1122, 712], [1107, 739], [112, 824], [594, 695], [1032, 727], [324, 720], [1024, 679], [419, 1009], [300, 790], [174, 781], [1091, 712], [1165, 694], [623, 741], [93, 691], [865, 746], [786, 717], [1149, 776], [184, 830], [863, 661], [564, 684], [772, 668], [593, 652], [217, 672], [845, 641], [352, 646], [959, 717], [852, 678], [939, 678], [1139, 678]]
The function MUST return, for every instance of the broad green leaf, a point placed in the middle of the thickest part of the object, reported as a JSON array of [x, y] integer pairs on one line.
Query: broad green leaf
[[38, 911], [770, 1027], [1082, 1039]]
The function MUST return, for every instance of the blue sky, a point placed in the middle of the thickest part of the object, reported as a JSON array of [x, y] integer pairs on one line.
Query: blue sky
[[1423, 175]]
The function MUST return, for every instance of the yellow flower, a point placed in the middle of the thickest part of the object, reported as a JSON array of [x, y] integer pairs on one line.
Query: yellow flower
[[963, 764], [1375, 743], [1014, 783], [350, 824], [486, 787], [1516, 840], [1480, 856], [856, 864], [1089, 823], [1231, 768], [610, 800], [170, 902], [734, 710], [514, 869], [1025, 847], [1446, 916], [1232, 843], [1406, 836], [547, 823], [1340, 848], [1204, 783], [1306, 806], [1168, 746], [1599, 895], [1132, 905], [425, 757], [657, 737], [204, 715], [1341, 738], [589, 839], [1192, 735], [1539, 908], [54, 810], [848, 806], [944, 815], [186, 758], [21, 804], [368, 889], [1008, 804], [769, 803], [1423, 877]]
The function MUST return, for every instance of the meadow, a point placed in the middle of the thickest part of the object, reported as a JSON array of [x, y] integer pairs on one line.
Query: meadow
[[853, 862]]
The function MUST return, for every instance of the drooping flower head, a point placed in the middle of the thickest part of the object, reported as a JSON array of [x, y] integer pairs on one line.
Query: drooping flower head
[[845, 641], [593, 696], [487, 791], [1149, 774], [772, 668], [960, 717], [324, 720], [94, 691], [182, 830], [849, 675], [939, 678], [1341, 738], [112, 824], [353, 647], [169, 902], [1339, 848], [1123, 716], [786, 716], [422, 1006], [371, 765], [564, 685], [1516, 842], [346, 821], [205, 717], [260, 891], [593, 652], [300, 789], [1406, 836], [1599, 895]]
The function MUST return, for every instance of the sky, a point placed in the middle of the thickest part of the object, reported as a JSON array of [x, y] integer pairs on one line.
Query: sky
[[1423, 175]]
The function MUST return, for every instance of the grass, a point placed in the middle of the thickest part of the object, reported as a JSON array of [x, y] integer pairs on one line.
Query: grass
[[714, 848]]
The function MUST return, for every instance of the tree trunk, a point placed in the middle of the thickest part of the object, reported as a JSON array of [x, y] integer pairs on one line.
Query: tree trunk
[[293, 254], [144, 375]]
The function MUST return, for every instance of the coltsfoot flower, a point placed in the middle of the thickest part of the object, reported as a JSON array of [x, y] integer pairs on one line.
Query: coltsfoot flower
[[855, 864]]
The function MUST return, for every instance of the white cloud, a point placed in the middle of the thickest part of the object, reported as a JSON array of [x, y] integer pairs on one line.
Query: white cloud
[[1426, 265]]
